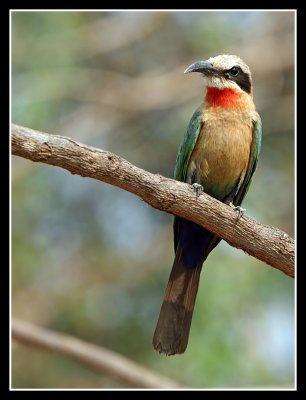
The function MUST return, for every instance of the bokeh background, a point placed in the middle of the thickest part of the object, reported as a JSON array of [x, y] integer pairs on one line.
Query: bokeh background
[[92, 260]]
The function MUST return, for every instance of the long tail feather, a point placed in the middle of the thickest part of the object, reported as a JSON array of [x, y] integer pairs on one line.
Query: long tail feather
[[173, 326]]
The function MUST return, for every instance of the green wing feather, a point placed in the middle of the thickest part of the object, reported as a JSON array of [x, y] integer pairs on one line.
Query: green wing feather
[[183, 156], [254, 153], [187, 145]]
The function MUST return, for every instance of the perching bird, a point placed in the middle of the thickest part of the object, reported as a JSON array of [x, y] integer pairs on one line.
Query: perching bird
[[219, 152]]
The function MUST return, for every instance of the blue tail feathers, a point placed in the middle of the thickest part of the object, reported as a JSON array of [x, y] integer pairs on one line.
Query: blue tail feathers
[[193, 240]]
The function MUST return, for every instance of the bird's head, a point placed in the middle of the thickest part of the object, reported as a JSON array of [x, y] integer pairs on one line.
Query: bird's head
[[225, 74]]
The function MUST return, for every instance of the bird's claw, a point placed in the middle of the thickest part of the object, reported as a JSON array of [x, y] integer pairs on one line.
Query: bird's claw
[[197, 188], [241, 211]]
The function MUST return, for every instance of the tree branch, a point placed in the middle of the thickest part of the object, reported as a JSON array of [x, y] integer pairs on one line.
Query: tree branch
[[97, 358], [264, 242]]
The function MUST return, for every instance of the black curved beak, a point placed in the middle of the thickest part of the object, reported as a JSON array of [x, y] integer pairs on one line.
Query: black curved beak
[[204, 67]]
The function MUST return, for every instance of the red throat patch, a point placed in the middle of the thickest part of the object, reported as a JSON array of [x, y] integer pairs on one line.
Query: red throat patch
[[221, 97]]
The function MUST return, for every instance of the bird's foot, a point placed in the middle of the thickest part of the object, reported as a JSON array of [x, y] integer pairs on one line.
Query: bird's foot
[[198, 189], [241, 211]]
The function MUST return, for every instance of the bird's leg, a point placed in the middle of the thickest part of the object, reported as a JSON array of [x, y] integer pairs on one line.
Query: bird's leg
[[197, 188], [241, 211]]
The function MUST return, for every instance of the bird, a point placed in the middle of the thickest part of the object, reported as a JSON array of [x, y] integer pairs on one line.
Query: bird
[[218, 155]]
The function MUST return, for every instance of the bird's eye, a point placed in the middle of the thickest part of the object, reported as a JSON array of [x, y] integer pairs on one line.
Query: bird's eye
[[234, 71]]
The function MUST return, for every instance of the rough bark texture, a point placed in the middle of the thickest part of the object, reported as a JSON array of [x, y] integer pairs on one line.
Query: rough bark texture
[[264, 242]]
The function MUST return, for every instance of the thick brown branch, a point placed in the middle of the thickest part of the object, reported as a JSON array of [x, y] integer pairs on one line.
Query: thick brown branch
[[95, 357], [266, 243]]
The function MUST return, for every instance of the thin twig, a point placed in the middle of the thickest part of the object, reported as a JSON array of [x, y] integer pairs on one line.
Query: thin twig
[[95, 357], [264, 242]]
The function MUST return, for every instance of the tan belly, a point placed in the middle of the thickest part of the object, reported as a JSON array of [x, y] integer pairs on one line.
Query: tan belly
[[221, 155]]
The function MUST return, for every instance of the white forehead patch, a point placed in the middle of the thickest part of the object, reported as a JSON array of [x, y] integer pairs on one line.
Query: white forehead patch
[[225, 61]]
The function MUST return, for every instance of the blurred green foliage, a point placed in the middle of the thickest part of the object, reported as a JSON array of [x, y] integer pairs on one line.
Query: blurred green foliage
[[92, 260]]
